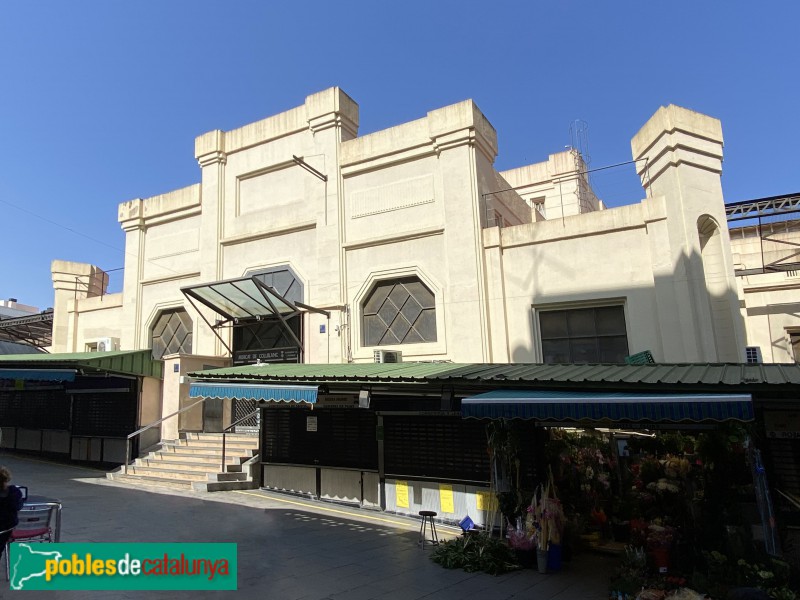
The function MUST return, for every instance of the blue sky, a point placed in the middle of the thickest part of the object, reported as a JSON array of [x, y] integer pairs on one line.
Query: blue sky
[[100, 101]]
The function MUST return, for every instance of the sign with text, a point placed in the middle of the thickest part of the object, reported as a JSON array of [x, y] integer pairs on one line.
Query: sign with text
[[273, 355], [401, 489], [122, 566], [446, 498], [337, 401], [782, 424], [485, 501]]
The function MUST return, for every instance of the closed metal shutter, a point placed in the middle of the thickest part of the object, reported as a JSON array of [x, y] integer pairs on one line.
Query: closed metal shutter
[[437, 447], [104, 414], [343, 437], [35, 409], [275, 445], [785, 456]]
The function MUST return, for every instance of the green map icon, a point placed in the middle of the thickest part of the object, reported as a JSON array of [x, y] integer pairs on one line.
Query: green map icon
[[27, 563]]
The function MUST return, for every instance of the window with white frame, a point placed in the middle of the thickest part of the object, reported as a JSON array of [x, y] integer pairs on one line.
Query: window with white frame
[[399, 311], [584, 335]]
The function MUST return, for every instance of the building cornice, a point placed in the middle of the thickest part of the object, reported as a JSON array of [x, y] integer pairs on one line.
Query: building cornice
[[394, 239], [276, 232], [168, 278]]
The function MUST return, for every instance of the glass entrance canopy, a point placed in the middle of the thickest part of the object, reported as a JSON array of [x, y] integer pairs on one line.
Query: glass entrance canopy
[[246, 298]]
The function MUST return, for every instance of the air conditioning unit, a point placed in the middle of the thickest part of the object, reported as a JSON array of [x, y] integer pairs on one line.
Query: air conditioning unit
[[752, 355], [108, 344], [388, 356]]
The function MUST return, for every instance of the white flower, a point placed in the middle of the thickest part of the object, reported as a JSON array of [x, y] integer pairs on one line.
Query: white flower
[[766, 574]]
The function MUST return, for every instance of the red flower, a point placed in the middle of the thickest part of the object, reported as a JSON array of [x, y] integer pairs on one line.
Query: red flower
[[599, 516]]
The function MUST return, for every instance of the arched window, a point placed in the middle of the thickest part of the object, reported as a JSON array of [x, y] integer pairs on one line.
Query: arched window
[[722, 300], [283, 280], [399, 311], [172, 333], [271, 332]]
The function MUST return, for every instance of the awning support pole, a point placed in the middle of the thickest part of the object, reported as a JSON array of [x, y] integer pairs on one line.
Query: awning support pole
[[312, 309], [285, 324], [213, 329]]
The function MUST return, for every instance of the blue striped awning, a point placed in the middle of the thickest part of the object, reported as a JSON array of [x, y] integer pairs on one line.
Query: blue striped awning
[[560, 406], [263, 393], [38, 374]]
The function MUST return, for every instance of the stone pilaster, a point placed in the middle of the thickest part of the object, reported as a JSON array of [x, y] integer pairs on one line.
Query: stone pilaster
[[210, 154], [466, 145], [72, 282], [679, 158]]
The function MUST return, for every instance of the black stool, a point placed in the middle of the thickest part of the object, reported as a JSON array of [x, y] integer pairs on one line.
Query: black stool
[[427, 517]]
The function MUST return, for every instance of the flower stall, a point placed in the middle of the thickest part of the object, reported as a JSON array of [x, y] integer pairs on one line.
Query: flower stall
[[661, 481], [669, 504]]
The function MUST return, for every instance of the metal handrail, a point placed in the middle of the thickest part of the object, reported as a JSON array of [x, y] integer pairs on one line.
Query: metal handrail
[[225, 432], [153, 424]]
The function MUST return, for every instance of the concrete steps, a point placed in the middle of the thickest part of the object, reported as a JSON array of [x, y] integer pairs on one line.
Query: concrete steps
[[141, 480], [206, 458], [194, 462], [206, 449], [204, 466]]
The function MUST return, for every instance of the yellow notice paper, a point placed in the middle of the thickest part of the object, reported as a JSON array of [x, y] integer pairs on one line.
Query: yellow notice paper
[[446, 498], [401, 488], [485, 501]]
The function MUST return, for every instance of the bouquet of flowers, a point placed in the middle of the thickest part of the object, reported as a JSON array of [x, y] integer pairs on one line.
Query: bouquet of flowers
[[547, 514], [522, 538], [663, 486]]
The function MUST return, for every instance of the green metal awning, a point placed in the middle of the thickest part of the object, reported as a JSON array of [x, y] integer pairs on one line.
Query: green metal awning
[[559, 406], [261, 393], [526, 375], [408, 371], [132, 362]]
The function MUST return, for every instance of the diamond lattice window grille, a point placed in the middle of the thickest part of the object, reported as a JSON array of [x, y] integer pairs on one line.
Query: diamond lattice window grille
[[172, 333], [399, 311]]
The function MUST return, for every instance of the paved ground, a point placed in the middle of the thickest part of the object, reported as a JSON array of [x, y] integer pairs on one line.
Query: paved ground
[[288, 548]]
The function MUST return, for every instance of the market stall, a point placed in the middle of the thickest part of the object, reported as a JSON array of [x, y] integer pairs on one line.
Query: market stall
[[672, 484]]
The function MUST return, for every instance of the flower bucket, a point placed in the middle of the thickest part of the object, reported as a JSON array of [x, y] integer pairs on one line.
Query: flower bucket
[[541, 560], [660, 559], [525, 558], [554, 558]]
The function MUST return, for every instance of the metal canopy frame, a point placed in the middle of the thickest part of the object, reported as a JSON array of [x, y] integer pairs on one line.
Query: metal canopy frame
[[764, 207], [245, 301], [34, 330], [772, 211]]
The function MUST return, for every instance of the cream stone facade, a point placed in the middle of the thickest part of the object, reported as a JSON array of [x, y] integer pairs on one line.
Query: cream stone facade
[[422, 202], [769, 285]]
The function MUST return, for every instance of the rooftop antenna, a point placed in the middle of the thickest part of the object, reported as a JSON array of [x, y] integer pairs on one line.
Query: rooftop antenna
[[579, 139]]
